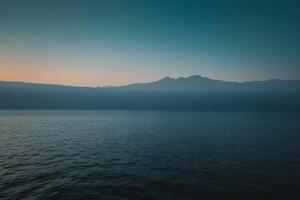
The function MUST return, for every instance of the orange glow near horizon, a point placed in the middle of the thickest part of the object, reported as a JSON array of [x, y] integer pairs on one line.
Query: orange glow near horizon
[[64, 78], [25, 69]]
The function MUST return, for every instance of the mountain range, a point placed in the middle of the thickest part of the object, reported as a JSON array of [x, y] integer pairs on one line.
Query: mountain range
[[190, 93]]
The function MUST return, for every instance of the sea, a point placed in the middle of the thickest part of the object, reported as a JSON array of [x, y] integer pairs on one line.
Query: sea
[[89, 155]]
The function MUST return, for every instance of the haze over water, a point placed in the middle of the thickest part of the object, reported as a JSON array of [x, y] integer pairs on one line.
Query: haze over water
[[149, 155]]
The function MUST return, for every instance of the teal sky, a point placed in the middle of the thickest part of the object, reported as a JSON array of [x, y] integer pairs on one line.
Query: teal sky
[[97, 42]]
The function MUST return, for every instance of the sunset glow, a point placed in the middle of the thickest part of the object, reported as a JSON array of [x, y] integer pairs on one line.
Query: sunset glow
[[103, 43]]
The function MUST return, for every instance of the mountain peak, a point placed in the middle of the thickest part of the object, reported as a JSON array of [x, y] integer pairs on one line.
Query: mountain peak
[[193, 77], [166, 78]]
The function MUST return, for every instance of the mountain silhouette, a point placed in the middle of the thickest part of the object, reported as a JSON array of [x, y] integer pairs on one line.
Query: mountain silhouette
[[193, 82], [190, 93], [199, 83]]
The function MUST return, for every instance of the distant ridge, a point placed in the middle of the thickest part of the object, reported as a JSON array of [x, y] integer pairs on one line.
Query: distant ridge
[[190, 93], [194, 79], [197, 82]]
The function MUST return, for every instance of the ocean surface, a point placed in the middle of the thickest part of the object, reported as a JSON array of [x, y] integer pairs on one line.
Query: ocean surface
[[89, 155]]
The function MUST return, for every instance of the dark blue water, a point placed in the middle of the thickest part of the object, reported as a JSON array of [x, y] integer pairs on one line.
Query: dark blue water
[[149, 155]]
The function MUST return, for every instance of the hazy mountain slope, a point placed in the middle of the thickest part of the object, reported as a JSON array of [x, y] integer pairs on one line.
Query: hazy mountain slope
[[192, 93], [190, 83], [199, 83]]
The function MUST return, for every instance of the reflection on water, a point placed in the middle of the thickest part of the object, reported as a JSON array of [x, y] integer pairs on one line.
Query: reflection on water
[[149, 155]]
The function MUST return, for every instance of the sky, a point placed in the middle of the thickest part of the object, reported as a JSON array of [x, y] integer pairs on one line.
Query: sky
[[117, 42]]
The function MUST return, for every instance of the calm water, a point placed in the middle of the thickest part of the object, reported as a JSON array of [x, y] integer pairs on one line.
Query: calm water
[[149, 155]]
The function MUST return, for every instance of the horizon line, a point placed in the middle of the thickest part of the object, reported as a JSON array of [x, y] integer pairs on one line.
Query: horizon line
[[165, 77]]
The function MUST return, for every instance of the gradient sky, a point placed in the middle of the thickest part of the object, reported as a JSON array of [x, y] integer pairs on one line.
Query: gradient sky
[[97, 43]]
